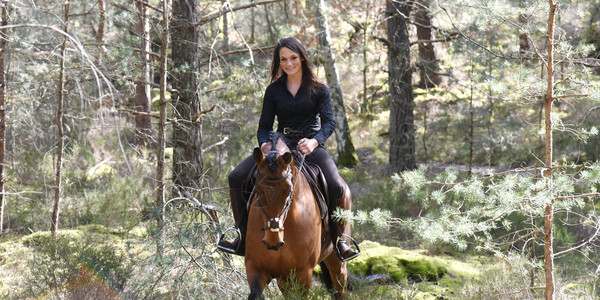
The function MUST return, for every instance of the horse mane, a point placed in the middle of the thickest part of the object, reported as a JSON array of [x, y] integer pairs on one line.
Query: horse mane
[[271, 160]]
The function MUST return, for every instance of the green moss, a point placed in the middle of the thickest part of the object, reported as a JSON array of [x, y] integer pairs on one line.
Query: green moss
[[403, 265], [390, 265]]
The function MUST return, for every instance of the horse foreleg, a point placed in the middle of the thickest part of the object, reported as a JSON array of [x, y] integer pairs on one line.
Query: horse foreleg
[[257, 282], [300, 281], [338, 274]]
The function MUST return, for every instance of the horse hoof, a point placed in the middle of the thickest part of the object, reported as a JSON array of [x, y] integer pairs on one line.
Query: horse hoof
[[255, 295]]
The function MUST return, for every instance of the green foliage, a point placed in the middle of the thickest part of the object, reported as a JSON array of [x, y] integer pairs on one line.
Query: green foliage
[[76, 263]]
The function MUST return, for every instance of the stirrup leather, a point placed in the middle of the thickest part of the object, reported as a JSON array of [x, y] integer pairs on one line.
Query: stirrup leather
[[337, 250], [228, 249]]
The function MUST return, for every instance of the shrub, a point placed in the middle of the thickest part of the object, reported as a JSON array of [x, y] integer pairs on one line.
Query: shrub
[[74, 264]]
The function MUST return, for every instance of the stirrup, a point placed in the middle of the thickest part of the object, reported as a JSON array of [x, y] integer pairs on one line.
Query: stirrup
[[229, 249], [337, 250]]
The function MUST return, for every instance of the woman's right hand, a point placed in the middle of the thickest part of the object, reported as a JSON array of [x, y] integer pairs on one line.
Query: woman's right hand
[[266, 147]]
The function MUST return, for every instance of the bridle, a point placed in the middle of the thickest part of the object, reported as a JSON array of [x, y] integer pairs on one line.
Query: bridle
[[276, 224]]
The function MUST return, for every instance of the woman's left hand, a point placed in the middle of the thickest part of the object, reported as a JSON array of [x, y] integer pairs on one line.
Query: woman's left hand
[[306, 146]]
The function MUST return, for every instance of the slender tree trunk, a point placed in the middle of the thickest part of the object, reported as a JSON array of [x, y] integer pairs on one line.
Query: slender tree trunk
[[60, 122], [3, 89], [424, 137], [366, 107], [100, 32], [533, 255], [549, 211], [402, 128], [252, 22], [346, 153], [471, 121], [490, 122], [525, 44], [143, 102], [160, 160], [269, 26], [225, 46], [428, 65], [187, 129]]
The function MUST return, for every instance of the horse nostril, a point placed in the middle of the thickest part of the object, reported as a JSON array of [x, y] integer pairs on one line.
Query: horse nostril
[[279, 245], [274, 248]]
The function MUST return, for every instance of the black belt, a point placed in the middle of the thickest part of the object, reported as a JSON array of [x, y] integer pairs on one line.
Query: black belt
[[288, 130]]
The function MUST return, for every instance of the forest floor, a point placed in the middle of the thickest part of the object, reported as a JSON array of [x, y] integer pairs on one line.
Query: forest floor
[[92, 258]]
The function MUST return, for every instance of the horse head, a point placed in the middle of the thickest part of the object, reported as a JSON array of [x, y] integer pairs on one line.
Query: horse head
[[274, 190]]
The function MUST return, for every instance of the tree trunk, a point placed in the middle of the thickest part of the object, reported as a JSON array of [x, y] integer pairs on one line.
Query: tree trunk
[[346, 153], [100, 33], [471, 121], [269, 26], [549, 211], [525, 44], [402, 128], [252, 22], [160, 160], [3, 51], [225, 46], [60, 122], [366, 106], [428, 64], [143, 102], [187, 128]]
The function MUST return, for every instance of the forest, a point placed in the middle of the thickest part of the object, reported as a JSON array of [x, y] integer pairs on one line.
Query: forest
[[466, 130]]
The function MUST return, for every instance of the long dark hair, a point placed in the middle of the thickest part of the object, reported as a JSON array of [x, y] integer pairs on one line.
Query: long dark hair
[[309, 80]]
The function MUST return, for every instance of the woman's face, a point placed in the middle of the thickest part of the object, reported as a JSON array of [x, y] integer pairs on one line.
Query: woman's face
[[290, 61]]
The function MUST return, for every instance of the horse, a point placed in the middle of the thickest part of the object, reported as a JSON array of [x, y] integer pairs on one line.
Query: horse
[[282, 199]]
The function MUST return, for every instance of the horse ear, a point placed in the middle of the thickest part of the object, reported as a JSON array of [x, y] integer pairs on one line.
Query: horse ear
[[258, 155], [287, 158]]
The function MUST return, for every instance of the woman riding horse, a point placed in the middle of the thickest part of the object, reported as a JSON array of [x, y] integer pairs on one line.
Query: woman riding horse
[[300, 101]]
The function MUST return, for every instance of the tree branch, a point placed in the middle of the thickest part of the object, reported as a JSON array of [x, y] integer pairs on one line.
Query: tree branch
[[580, 245], [226, 8], [236, 51], [570, 96]]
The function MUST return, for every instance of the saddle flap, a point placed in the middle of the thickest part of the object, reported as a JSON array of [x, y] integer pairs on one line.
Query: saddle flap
[[318, 185]]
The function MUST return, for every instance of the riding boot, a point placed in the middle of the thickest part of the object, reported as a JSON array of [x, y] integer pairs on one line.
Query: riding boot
[[240, 215], [343, 250]]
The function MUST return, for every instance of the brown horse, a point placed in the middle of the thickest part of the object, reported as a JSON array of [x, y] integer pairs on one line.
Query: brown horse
[[282, 199]]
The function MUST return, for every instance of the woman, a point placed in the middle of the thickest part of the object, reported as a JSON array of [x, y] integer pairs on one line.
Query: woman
[[299, 100]]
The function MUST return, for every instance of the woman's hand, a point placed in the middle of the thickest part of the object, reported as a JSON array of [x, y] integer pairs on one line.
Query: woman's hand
[[266, 147], [306, 146]]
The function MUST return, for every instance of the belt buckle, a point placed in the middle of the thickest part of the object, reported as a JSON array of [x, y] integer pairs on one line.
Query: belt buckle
[[286, 130]]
